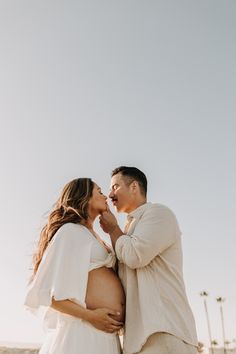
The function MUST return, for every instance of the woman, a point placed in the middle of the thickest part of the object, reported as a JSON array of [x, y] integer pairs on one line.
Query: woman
[[74, 277]]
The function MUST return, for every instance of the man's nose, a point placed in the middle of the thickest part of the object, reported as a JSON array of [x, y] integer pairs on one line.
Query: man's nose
[[111, 194]]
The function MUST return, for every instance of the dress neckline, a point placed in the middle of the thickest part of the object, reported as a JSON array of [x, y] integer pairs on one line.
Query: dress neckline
[[100, 240]]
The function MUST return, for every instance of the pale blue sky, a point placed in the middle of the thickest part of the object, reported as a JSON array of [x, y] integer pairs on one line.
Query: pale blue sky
[[86, 86]]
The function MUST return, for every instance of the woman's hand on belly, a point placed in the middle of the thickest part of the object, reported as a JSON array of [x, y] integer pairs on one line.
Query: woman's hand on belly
[[104, 320], [105, 291]]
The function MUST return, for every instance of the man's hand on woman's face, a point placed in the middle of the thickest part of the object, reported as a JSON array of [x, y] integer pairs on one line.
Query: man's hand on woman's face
[[108, 221]]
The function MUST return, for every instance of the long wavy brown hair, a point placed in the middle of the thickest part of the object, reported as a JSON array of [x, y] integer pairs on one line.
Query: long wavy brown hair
[[72, 206]]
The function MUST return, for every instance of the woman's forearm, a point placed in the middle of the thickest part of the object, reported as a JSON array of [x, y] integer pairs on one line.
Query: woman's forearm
[[99, 318], [70, 308]]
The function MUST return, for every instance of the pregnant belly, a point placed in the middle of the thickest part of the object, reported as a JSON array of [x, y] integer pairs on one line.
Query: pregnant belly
[[105, 290]]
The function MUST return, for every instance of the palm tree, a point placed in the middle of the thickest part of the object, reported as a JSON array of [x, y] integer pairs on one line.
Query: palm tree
[[214, 343], [204, 294], [220, 300]]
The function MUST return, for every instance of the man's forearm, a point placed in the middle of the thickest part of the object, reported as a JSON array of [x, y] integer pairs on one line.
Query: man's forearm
[[115, 234]]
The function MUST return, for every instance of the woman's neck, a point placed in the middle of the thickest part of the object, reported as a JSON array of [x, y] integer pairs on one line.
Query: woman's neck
[[88, 223]]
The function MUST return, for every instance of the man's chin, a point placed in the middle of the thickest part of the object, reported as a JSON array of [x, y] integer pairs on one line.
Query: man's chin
[[118, 209]]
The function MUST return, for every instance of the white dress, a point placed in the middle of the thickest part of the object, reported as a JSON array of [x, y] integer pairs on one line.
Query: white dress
[[63, 274]]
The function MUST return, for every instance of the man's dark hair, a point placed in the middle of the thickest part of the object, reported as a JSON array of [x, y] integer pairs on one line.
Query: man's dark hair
[[132, 174]]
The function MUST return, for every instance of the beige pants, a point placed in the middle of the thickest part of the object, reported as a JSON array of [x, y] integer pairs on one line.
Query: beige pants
[[164, 343]]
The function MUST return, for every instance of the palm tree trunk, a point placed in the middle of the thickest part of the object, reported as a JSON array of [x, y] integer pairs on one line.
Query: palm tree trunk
[[223, 328], [209, 328]]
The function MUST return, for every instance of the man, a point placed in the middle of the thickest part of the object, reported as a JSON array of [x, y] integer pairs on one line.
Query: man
[[158, 317]]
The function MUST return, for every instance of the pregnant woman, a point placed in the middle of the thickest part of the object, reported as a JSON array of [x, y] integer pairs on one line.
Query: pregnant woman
[[74, 278]]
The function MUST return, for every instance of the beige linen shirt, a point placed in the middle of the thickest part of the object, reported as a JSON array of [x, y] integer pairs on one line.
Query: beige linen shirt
[[150, 268]]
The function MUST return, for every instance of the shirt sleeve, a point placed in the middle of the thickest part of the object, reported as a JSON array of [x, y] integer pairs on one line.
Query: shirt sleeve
[[154, 233], [63, 271]]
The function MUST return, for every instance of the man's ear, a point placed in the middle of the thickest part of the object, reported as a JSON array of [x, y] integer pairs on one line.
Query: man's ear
[[134, 186]]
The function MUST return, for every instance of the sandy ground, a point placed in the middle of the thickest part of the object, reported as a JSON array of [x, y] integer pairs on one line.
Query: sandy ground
[[7, 350]]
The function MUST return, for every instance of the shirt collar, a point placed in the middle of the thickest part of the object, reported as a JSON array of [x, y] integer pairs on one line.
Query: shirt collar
[[139, 211]]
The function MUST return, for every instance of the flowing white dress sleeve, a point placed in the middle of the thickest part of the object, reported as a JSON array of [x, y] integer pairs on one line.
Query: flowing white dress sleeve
[[63, 271]]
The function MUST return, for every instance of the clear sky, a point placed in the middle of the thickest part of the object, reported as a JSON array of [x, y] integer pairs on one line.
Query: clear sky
[[89, 85]]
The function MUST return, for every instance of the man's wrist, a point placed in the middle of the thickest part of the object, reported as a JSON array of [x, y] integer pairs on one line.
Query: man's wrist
[[116, 232], [113, 228]]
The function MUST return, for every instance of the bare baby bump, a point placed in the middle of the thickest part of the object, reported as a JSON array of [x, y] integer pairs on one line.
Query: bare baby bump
[[104, 289]]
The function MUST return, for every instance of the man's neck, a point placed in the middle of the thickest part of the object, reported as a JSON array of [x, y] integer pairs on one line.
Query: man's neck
[[136, 206]]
